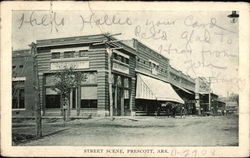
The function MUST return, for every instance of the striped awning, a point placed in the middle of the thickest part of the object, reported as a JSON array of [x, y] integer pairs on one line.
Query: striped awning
[[154, 89]]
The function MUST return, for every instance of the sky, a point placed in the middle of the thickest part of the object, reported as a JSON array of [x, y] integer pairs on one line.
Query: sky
[[198, 43]]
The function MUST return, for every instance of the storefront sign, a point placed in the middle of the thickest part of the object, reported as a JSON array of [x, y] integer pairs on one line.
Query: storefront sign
[[201, 85], [120, 68], [68, 64]]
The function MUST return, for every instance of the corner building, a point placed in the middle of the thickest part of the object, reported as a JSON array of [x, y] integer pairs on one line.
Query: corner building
[[88, 55]]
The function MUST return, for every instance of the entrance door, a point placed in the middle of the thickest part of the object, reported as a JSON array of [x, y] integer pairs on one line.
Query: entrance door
[[73, 98], [120, 102]]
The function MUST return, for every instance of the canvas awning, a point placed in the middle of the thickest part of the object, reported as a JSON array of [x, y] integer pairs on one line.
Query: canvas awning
[[153, 89]]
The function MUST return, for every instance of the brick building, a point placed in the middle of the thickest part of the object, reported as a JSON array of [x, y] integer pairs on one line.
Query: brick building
[[22, 83]]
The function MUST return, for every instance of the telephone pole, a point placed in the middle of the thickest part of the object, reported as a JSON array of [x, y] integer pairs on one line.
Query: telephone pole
[[37, 92], [110, 51]]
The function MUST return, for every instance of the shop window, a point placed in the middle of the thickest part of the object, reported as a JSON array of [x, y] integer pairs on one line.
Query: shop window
[[52, 101], [69, 54], [52, 98], [55, 55], [18, 98], [89, 97], [88, 103]]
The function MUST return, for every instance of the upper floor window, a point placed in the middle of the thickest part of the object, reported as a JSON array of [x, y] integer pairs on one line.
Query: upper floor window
[[126, 60], [121, 58], [69, 54], [83, 53], [55, 55], [20, 66]]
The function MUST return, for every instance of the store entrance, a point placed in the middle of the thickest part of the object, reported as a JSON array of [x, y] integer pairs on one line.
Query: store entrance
[[121, 97], [120, 102]]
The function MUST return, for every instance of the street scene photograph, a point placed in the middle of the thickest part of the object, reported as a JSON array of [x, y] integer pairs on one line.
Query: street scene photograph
[[125, 78]]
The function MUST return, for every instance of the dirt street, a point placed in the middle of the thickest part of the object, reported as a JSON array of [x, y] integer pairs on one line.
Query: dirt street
[[139, 131]]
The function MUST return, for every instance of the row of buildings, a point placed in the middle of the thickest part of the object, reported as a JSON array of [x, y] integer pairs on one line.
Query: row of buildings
[[142, 79]]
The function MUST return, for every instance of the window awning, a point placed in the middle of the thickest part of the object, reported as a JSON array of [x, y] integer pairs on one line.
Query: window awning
[[153, 89]]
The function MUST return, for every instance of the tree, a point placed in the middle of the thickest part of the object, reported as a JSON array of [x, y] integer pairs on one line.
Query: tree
[[234, 98], [67, 79]]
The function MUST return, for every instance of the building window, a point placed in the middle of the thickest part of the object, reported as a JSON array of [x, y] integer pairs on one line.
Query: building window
[[20, 66], [83, 53], [18, 95], [88, 103], [89, 97], [56, 55], [89, 78], [121, 58], [13, 67], [126, 82], [119, 80], [52, 98], [69, 54], [126, 99], [126, 60]]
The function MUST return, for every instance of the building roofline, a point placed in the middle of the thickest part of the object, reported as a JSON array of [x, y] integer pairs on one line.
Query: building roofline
[[68, 37], [134, 39], [85, 39]]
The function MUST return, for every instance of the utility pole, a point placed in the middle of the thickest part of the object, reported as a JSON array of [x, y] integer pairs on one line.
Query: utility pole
[[37, 92], [209, 95], [110, 51], [197, 96]]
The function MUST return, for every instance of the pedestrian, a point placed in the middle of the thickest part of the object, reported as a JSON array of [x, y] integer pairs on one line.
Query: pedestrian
[[158, 110], [173, 110], [182, 112]]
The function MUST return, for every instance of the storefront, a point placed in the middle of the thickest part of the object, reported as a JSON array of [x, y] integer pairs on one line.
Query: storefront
[[153, 94]]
